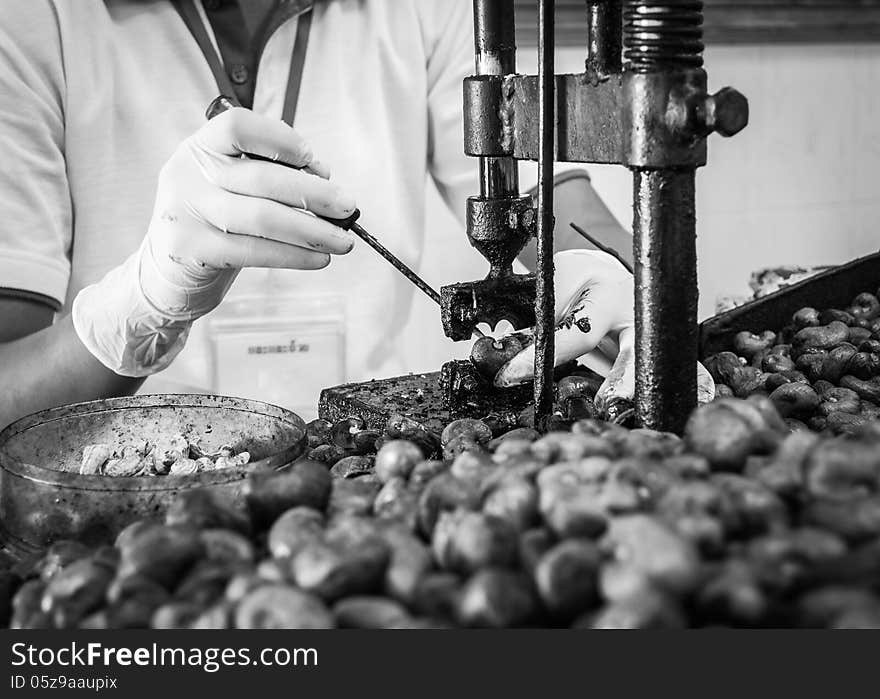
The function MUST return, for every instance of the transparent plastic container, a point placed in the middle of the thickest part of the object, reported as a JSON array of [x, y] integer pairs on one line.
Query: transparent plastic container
[[282, 349]]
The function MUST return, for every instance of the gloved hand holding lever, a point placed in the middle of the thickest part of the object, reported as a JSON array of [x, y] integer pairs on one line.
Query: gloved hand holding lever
[[214, 214], [594, 317], [349, 222]]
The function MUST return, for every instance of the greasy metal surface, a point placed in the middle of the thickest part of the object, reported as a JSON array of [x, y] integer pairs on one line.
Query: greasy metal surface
[[603, 39], [418, 396], [664, 236], [606, 122], [663, 123], [484, 127], [498, 229], [466, 395], [545, 325], [595, 124], [495, 54], [432, 399], [499, 177], [494, 36], [41, 500], [727, 112], [589, 118], [834, 288], [664, 85], [466, 304]]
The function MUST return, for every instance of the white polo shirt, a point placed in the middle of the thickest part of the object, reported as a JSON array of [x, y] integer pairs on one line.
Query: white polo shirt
[[96, 96]]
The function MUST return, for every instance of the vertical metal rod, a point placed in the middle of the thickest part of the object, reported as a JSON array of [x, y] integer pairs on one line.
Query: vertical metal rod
[[545, 325], [664, 239], [495, 54], [604, 36], [662, 38]]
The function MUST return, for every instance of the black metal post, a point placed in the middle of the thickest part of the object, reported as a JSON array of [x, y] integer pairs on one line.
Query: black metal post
[[663, 40], [665, 255], [604, 36], [545, 325]]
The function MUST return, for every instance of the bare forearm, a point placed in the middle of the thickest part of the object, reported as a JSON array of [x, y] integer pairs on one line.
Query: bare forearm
[[52, 367]]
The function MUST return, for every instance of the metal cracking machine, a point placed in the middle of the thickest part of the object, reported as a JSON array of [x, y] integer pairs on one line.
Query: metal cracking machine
[[641, 102]]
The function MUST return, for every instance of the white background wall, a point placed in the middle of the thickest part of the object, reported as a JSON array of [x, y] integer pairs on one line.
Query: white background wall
[[798, 186]]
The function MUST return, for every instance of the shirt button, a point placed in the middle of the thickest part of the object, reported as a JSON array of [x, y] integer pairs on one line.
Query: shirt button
[[239, 74]]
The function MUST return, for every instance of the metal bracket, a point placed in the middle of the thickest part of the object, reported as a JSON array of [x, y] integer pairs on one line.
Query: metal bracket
[[643, 120]]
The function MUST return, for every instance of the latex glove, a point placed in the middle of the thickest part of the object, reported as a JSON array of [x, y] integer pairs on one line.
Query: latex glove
[[594, 317], [214, 214]]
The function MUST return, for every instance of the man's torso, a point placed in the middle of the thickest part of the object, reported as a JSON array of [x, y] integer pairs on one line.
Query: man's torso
[[138, 84]]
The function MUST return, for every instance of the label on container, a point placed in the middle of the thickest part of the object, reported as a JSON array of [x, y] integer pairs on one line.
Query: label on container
[[282, 362]]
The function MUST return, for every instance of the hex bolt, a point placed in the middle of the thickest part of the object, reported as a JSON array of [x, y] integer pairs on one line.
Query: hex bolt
[[727, 111]]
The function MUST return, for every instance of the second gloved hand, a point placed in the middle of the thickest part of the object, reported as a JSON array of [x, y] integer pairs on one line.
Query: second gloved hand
[[215, 213], [594, 317]]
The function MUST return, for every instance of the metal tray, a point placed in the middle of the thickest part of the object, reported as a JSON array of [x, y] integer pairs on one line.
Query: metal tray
[[834, 288]]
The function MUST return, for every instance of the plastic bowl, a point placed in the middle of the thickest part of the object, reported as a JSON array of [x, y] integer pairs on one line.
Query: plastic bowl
[[43, 499]]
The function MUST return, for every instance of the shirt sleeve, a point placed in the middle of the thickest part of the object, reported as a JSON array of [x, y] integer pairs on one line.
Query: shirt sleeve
[[450, 58], [35, 205]]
